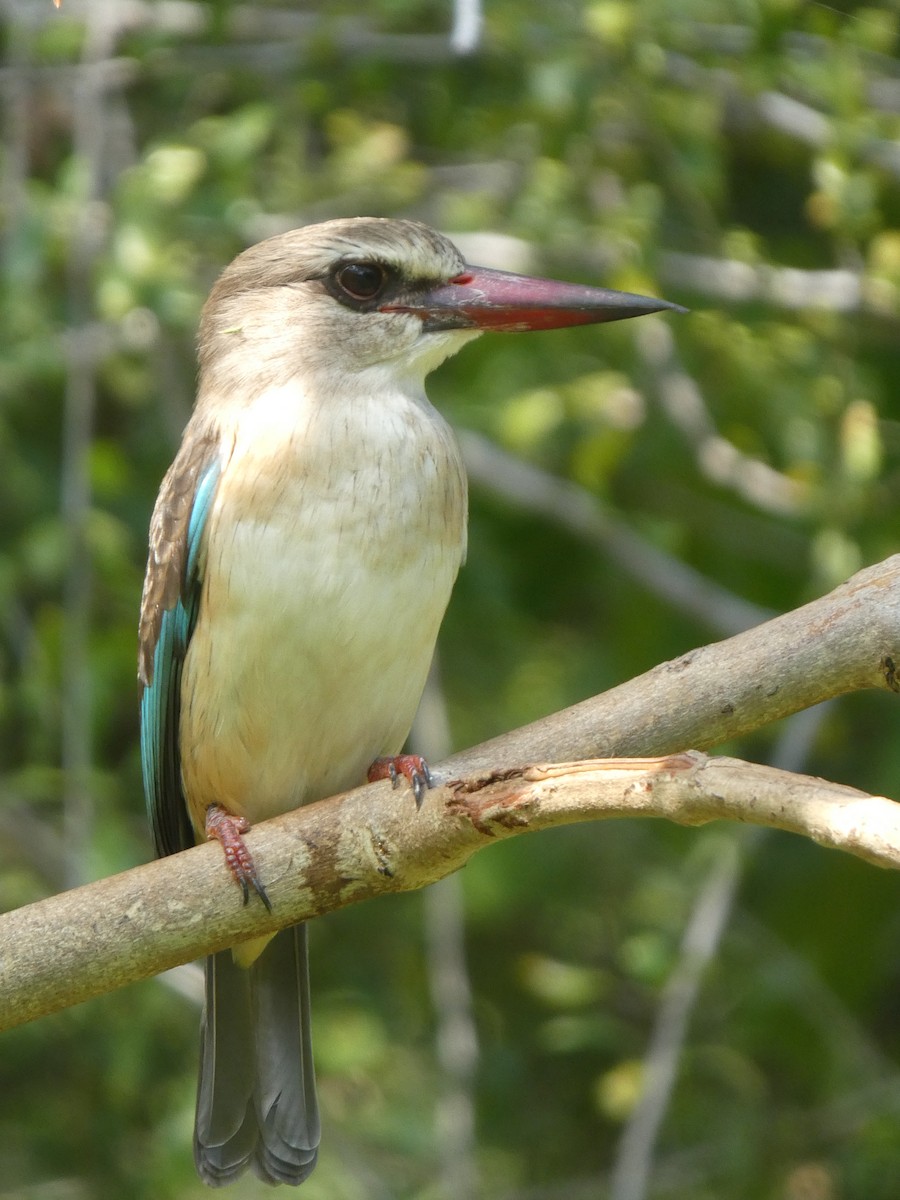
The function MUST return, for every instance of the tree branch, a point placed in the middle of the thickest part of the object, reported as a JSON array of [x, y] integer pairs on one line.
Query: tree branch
[[372, 841], [844, 642]]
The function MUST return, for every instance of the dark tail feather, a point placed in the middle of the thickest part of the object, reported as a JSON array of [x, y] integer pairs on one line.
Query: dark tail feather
[[285, 1099], [256, 1101]]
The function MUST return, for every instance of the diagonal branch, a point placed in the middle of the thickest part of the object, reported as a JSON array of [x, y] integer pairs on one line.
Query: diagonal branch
[[846, 641], [372, 841]]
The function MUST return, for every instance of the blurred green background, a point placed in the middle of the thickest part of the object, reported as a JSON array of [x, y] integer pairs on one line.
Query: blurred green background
[[739, 156]]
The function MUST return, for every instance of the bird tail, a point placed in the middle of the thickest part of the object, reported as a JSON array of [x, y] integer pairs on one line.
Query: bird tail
[[256, 1100]]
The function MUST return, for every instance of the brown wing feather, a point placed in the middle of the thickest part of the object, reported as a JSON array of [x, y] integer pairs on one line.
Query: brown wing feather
[[168, 540]]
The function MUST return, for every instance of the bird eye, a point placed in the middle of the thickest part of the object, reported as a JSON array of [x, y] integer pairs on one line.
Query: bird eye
[[361, 280]]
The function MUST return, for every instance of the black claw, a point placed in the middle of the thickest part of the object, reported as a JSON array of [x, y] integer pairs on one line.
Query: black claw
[[421, 782], [250, 879], [393, 773], [262, 893], [253, 880]]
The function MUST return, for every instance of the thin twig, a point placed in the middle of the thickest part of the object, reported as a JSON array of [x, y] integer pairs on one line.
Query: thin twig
[[89, 140], [456, 1034]]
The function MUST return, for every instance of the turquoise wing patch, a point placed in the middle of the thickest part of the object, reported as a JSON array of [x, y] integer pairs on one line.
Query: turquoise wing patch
[[161, 701]]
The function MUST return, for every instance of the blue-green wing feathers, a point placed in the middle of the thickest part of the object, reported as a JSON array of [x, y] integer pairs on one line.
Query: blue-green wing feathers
[[169, 611]]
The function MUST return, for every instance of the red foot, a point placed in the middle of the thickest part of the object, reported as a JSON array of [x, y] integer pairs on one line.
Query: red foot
[[411, 766], [229, 830]]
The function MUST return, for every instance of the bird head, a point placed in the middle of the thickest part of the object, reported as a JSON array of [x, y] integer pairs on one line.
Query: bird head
[[376, 296]]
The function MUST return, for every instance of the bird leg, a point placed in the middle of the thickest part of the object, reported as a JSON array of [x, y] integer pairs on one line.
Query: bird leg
[[411, 766], [229, 830]]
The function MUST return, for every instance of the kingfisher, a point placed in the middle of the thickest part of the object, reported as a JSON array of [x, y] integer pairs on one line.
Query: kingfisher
[[302, 552]]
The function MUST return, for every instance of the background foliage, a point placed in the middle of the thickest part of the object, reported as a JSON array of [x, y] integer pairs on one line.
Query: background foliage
[[740, 157]]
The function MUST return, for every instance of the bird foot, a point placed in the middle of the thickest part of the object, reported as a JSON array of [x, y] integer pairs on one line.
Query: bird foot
[[229, 830], [411, 766]]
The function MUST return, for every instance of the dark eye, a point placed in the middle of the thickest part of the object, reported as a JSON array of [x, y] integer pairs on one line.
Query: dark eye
[[361, 280]]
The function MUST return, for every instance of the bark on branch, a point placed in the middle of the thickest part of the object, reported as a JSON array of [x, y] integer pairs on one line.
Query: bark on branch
[[373, 840]]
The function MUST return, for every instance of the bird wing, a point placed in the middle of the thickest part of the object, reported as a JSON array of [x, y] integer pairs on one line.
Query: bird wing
[[169, 609]]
